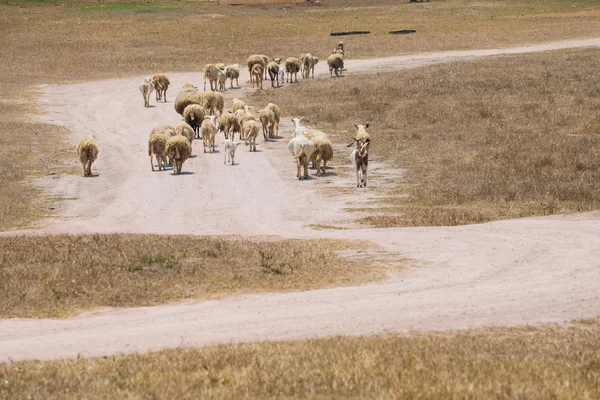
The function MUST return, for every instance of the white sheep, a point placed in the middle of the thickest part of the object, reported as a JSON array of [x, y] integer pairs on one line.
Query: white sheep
[[229, 147], [88, 150], [209, 131], [308, 65], [301, 148], [251, 129], [360, 160], [146, 88]]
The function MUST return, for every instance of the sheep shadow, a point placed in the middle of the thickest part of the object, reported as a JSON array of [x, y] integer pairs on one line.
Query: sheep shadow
[[182, 173], [193, 156], [96, 175]]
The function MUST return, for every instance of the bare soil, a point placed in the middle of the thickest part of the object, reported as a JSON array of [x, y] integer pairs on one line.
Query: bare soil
[[515, 272]]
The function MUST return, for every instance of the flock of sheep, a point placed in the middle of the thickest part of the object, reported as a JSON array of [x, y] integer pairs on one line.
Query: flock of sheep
[[204, 117]]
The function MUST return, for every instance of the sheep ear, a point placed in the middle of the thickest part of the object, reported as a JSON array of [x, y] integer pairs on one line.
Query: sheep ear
[[351, 143], [367, 125], [356, 126]]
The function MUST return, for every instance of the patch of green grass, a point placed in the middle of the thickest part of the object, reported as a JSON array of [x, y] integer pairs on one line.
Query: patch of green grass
[[145, 6]]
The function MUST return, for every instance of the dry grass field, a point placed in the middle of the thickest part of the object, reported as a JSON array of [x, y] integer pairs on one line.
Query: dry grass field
[[500, 363], [56, 42], [481, 140], [66, 274]]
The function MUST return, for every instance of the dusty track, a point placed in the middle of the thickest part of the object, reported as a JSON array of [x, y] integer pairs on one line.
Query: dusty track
[[502, 273]]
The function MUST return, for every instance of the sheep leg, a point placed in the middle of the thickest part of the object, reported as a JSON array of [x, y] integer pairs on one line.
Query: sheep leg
[[324, 165], [151, 163], [298, 167], [318, 162], [358, 177]]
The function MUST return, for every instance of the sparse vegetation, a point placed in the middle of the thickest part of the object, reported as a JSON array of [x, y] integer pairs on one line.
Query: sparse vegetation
[[52, 276], [550, 362], [57, 42], [481, 140]]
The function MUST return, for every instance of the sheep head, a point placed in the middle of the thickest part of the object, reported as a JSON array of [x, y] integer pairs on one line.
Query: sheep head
[[296, 122]]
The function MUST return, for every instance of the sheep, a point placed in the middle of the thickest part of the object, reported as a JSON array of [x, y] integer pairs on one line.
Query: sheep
[[185, 130], [301, 148], [273, 69], [187, 96], [156, 146], [212, 102], [193, 116], [308, 65], [282, 74], [244, 116], [146, 88], [360, 160], [229, 124], [265, 63], [292, 66], [323, 151], [233, 72], [336, 63], [160, 83], [238, 104], [178, 149], [88, 150], [301, 58], [229, 147], [267, 119], [361, 133], [277, 114], [209, 131], [251, 129], [211, 72], [222, 79], [257, 74], [252, 61], [189, 86], [339, 49], [163, 129]]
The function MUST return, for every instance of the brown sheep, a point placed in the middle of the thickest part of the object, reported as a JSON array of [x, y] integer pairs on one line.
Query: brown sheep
[[233, 72], [156, 147], [184, 129], [88, 150], [267, 119], [277, 113], [323, 152], [194, 115], [211, 72], [213, 102], [336, 63], [292, 66], [251, 129], [238, 104], [178, 149], [229, 124], [257, 74], [187, 96], [161, 84], [252, 61], [273, 69]]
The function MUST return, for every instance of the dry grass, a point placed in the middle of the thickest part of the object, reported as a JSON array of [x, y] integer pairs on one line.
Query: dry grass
[[56, 275], [57, 42], [501, 363], [482, 140]]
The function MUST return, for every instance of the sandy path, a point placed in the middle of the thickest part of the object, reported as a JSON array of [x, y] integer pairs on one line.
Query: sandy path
[[502, 273]]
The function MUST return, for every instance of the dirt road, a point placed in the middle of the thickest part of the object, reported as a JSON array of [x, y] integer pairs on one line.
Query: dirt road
[[503, 273]]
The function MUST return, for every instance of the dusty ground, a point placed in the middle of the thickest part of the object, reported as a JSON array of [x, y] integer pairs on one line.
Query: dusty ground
[[502, 273]]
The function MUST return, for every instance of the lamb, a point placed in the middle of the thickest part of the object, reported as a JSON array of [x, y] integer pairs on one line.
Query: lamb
[[292, 66], [308, 65], [277, 114], [233, 72], [257, 75], [301, 148], [213, 102], [323, 151], [229, 147], [252, 61], [156, 146], [360, 160], [193, 116], [229, 124], [160, 83], [238, 104], [88, 150], [146, 88], [336, 63], [267, 119], [361, 133], [211, 72], [265, 63], [273, 69], [339, 49], [222, 79], [184, 129], [178, 149], [251, 129], [209, 131], [187, 96]]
